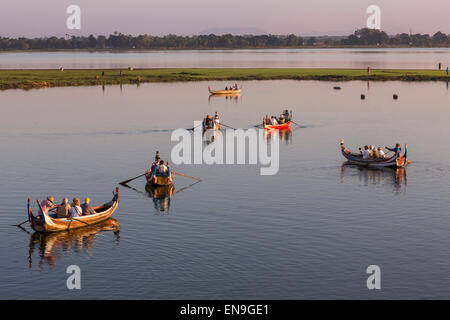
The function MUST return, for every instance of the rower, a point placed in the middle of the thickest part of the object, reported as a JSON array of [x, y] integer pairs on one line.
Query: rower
[[396, 149]]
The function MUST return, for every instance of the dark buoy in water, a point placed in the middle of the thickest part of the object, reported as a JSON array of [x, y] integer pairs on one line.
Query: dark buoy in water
[[363, 97], [337, 88], [395, 96]]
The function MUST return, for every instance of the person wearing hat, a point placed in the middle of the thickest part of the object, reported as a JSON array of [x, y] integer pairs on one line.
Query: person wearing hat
[[86, 207], [47, 205]]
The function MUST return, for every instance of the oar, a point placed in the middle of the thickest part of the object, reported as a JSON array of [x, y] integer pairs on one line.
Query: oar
[[126, 181], [71, 218], [20, 224], [180, 174], [194, 127], [222, 124], [296, 123]]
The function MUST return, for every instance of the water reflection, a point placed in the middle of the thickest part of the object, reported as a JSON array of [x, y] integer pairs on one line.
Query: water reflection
[[52, 246], [228, 97], [161, 196], [284, 135], [395, 178]]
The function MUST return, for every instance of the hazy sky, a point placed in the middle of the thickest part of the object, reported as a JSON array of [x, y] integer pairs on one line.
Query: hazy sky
[[48, 17]]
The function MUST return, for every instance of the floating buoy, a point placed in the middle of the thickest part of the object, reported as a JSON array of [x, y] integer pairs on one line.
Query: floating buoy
[[337, 88], [363, 97], [395, 96]]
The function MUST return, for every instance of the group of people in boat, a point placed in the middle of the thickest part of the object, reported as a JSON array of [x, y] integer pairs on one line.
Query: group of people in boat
[[371, 152], [210, 122], [282, 119], [158, 166], [231, 88], [66, 210]]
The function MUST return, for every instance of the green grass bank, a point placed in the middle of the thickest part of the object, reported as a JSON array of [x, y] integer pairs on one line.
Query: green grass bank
[[29, 79]]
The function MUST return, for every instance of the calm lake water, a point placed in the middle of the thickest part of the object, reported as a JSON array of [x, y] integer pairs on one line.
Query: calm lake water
[[266, 58], [308, 232]]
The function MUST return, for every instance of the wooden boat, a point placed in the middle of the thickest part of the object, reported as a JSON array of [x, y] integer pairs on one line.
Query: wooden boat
[[224, 92], [49, 223], [283, 126], [395, 161], [160, 180]]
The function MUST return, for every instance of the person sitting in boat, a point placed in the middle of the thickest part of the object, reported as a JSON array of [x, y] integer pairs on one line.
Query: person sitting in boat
[[274, 121], [282, 120], [162, 169], [75, 210], [375, 153], [226, 88], [86, 207], [365, 153], [267, 120], [63, 209], [47, 205], [380, 152], [216, 118]]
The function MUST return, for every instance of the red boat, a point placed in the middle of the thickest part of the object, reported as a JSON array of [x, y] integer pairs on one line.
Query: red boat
[[283, 126]]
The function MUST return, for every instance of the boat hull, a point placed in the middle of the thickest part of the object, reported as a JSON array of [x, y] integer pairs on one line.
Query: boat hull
[[225, 92], [284, 126], [160, 181]]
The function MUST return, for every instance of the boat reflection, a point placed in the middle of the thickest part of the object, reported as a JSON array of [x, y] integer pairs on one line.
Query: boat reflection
[[396, 178], [161, 196], [231, 97], [284, 135], [52, 246]]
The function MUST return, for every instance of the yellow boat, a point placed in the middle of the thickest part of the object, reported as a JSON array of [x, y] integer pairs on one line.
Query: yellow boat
[[224, 92]]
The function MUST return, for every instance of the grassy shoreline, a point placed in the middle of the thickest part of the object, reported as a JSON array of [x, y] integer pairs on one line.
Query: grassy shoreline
[[40, 78]]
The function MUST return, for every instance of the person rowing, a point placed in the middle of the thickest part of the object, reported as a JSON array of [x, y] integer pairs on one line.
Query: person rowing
[[396, 149]]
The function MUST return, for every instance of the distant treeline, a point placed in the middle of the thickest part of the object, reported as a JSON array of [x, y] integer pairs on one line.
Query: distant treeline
[[360, 38]]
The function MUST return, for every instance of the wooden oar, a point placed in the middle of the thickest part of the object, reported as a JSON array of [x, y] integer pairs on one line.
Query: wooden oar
[[126, 181], [20, 224], [71, 218], [194, 127], [296, 123], [180, 174], [222, 124]]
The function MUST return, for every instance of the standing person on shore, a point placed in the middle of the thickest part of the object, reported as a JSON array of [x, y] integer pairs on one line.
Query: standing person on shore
[[446, 70], [439, 66]]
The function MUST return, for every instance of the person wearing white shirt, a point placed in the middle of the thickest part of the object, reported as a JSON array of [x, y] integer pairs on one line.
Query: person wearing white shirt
[[366, 153], [381, 152]]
